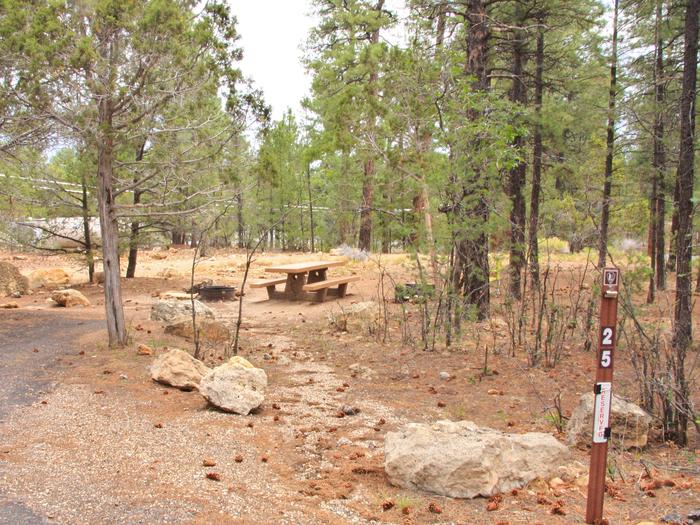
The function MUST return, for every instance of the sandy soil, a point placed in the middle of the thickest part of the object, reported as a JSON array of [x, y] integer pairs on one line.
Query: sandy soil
[[105, 444]]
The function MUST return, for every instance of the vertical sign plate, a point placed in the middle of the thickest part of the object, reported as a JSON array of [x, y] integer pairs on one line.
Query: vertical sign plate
[[601, 412]]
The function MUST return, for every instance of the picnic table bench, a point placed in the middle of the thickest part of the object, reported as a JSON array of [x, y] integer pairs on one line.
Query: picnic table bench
[[306, 281]]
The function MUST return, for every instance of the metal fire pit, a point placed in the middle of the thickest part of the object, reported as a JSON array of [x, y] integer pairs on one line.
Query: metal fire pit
[[217, 293]]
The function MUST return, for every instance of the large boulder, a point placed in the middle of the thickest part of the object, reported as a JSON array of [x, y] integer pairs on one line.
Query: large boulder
[[179, 369], [236, 386], [11, 281], [169, 311], [210, 331], [462, 460], [48, 278], [629, 423], [69, 298]]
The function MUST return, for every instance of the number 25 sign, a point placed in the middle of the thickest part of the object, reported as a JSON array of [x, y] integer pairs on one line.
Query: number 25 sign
[[607, 342]]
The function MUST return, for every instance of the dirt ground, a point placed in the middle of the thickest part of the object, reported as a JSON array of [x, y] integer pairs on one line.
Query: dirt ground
[[87, 437]]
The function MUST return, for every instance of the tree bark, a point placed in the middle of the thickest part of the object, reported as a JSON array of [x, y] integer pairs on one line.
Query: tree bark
[[671, 262], [473, 241], [116, 327], [516, 176], [682, 334], [658, 204], [536, 185], [365, 238], [85, 209], [312, 226], [135, 226], [610, 149]]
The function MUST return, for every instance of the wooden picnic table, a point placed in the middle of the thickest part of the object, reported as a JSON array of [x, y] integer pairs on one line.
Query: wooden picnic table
[[306, 281]]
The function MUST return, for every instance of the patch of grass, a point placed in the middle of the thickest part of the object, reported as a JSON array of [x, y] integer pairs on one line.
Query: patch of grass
[[458, 412], [155, 342], [403, 501]]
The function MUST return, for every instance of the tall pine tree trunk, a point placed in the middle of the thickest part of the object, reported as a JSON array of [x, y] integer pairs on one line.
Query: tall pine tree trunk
[[536, 185], [610, 150], [682, 334], [657, 280], [516, 177], [135, 226], [365, 237], [473, 241], [607, 184]]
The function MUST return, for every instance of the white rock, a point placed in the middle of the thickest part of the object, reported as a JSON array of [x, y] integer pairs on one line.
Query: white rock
[[169, 311], [461, 460], [629, 423], [445, 376], [236, 386], [69, 298], [179, 369]]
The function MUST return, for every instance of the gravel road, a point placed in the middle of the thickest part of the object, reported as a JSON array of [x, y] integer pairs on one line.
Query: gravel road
[[31, 341]]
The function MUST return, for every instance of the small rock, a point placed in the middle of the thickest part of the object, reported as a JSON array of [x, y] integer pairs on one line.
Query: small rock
[[179, 369], [673, 517], [494, 392], [343, 441], [209, 463], [69, 298], [445, 376], [267, 357], [348, 410], [123, 376], [694, 515], [362, 371], [555, 483], [144, 350], [214, 476], [9, 306]]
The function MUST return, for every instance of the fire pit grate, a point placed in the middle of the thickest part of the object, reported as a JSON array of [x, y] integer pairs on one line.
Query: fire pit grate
[[217, 293]]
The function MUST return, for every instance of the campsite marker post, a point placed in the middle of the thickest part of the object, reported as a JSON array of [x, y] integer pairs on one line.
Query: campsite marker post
[[603, 395]]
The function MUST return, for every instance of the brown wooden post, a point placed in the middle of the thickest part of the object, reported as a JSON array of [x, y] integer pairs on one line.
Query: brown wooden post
[[603, 395]]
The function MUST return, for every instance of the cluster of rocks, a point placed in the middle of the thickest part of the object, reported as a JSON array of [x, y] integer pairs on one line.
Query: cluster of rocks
[[235, 386]]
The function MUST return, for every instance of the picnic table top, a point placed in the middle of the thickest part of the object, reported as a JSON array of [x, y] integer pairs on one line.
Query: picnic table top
[[303, 267]]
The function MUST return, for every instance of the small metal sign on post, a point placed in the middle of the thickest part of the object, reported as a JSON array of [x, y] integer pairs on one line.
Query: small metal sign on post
[[603, 395]]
